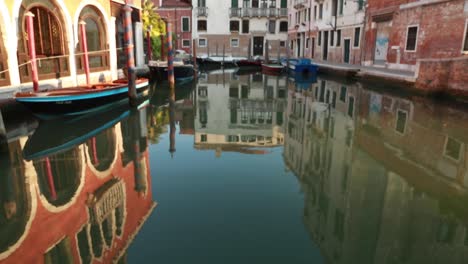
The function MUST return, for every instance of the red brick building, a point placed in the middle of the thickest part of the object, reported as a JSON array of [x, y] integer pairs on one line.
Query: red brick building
[[399, 33], [179, 12]]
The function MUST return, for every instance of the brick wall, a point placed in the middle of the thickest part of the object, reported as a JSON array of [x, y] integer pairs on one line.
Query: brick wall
[[447, 75]]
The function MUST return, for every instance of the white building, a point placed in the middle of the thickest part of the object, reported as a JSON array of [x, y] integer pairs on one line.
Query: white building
[[236, 24]]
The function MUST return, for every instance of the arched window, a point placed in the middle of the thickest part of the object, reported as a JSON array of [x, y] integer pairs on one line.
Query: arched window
[[4, 76], [49, 38], [101, 149], [95, 39]]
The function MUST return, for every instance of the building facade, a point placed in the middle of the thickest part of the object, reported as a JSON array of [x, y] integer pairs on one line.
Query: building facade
[[180, 14], [57, 39], [241, 28], [399, 33]]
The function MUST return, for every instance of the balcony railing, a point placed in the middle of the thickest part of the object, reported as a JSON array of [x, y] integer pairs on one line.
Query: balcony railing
[[235, 12], [202, 11], [299, 4], [258, 12]]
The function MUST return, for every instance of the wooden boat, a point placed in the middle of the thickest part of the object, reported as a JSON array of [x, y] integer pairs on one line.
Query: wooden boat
[[59, 135], [301, 66], [249, 63], [182, 72], [78, 100], [272, 69]]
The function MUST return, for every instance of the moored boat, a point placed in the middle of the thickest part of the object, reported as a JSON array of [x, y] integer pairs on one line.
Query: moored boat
[[79, 100], [182, 72], [272, 69], [301, 65]]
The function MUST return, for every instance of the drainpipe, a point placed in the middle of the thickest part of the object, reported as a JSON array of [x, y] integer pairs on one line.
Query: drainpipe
[[84, 49], [32, 50]]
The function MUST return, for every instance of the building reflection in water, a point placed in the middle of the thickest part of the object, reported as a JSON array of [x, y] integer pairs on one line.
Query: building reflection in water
[[385, 178], [239, 112], [84, 203]]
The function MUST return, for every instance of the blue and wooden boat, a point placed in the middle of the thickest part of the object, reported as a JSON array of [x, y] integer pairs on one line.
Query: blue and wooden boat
[[80, 100], [300, 66]]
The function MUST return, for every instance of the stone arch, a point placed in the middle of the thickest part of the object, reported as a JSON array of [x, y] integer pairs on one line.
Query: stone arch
[[55, 22], [97, 36]]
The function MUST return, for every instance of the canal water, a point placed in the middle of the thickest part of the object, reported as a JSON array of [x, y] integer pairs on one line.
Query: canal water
[[240, 168]]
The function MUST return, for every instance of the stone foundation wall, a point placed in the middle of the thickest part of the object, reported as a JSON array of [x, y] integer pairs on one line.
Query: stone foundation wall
[[443, 75]]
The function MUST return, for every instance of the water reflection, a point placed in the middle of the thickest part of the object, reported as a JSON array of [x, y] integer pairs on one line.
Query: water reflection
[[239, 112], [384, 177], [80, 196]]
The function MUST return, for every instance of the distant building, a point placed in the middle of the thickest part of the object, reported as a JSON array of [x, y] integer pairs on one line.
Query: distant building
[[179, 12], [234, 25], [329, 30]]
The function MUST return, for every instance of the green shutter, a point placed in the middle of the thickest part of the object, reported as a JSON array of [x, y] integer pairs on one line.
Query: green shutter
[[234, 3], [361, 4], [284, 3], [185, 24]]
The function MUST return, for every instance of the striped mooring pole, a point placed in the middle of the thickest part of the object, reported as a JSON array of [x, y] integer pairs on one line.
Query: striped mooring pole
[[32, 50], [129, 49], [84, 49], [170, 56]]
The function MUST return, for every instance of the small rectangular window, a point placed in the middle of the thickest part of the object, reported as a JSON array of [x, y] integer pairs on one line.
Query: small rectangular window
[[319, 42], [343, 94], [202, 42], [245, 26], [411, 38], [320, 11], [351, 106], [338, 37], [185, 24], [401, 121], [315, 12], [234, 26], [234, 43], [203, 138], [357, 37], [201, 25], [282, 44], [453, 148], [307, 43], [332, 38], [186, 43]]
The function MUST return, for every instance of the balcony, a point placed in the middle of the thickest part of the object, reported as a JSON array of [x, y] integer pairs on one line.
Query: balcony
[[235, 12], [298, 4], [202, 11], [261, 12]]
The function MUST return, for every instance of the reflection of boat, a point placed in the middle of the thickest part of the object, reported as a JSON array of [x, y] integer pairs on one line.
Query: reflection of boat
[[78, 100], [182, 72], [217, 61], [272, 69], [59, 135], [249, 63], [303, 81]]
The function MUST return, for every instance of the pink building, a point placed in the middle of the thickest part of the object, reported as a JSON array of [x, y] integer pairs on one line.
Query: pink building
[[179, 12]]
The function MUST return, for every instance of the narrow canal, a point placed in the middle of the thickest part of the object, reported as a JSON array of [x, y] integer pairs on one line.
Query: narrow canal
[[240, 168]]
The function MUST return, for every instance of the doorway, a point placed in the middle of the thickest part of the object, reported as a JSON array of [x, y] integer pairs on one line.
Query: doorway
[[258, 46], [381, 43], [325, 45], [347, 50]]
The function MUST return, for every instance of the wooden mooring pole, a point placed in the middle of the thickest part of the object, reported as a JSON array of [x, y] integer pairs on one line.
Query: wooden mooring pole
[[84, 49], [194, 58], [32, 50], [148, 45], [129, 49], [170, 56]]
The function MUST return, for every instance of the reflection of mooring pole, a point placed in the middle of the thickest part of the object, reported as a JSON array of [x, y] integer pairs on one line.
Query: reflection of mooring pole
[[84, 49], [32, 50], [172, 129], [129, 48], [94, 151], [50, 179], [249, 49], [3, 137], [170, 56]]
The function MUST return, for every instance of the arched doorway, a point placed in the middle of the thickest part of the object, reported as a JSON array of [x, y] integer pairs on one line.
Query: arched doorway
[[15, 197], [50, 41], [96, 38], [59, 176], [4, 76]]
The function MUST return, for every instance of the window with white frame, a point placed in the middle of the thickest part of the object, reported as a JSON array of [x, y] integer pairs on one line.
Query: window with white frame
[[234, 42], [272, 26], [307, 43], [411, 38], [202, 42], [234, 26], [338, 37], [283, 26], [202, 25], [185, 24], [282, 44], [186, 43], [465, 41]]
